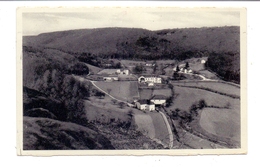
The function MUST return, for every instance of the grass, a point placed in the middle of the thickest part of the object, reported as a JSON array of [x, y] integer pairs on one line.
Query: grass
[[185, 97], [145, 124], [148, 93], [121, 90], [102, 110], [215, 86], [224, 123], [161, 131], [49, 134], [208, 74], [93, 69]]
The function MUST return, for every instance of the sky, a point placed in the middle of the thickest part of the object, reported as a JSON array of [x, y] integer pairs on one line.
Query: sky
[[36, 22]]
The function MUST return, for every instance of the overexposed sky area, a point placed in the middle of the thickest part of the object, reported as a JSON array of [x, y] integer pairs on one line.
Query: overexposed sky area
[[34, 23]]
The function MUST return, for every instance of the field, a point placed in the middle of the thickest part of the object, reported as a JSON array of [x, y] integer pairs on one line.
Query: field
[[224, 123], [121, 90], [216, 86], [153, 126], [208, 74], [93, 69], [185, 97], [161, 131], [148, 93]]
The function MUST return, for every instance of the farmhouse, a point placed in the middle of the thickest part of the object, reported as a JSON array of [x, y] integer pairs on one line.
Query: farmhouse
[[145, 104], [114, 71], [158, 99], [122, 71], [203, 61], [149, 79], [185, 70], [110, 78]]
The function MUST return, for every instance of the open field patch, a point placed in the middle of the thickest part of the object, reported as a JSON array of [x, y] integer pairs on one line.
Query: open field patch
[[185, 97], [224, 123], [93, 69], [145, 124], [161, 131], [215, 86], [148, 93], [125, 91]]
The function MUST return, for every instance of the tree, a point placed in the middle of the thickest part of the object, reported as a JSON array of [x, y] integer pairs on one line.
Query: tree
[[100, 94], [155, 66], [187, 65], [121, 105], [177, 69], [202, 104], [138, 69]]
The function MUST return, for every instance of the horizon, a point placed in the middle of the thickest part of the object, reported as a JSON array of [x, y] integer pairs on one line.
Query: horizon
[[35, 23], [129, 28]]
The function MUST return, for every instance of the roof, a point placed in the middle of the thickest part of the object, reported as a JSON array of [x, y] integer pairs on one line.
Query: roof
[[156, 97], [148, 75], [145, 101]]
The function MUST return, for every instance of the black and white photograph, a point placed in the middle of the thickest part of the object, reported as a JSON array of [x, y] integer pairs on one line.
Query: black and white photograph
[[141, 80]]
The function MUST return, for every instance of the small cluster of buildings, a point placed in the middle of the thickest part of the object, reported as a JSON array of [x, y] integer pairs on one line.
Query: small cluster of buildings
[[110, 75], [150, 104]]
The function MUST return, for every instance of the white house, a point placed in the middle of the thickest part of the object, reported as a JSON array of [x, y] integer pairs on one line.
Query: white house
[[203, 61], [110, 78], [146, 105], [122, 72], [159, 99], [153, 79]]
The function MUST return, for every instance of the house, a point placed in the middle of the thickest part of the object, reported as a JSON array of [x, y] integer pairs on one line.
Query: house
[[203, 61], [158, 99], [122, 72], [149, 79], [186, 70], [145, 105], [110, 78], [149, 64], [150, 84]]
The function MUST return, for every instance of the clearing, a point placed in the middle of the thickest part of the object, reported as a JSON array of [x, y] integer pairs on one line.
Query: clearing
[[148, 93], [185, 97], [215, 86], [152, 125], [121, 90], [224, 123]]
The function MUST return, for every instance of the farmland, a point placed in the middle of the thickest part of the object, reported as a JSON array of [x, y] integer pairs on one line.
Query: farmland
[[185, 97], [122, 90], [215, 86], [148, 93], [153, 126], [225, 123]]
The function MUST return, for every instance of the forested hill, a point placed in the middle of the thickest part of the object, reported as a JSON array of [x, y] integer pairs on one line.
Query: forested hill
[[133, 43]]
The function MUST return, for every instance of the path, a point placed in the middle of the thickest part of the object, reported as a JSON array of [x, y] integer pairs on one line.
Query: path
[[169, 129]]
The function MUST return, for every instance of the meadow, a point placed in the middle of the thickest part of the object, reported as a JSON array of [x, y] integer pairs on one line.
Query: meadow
[[185, 97], [214, 86], [121, 90]]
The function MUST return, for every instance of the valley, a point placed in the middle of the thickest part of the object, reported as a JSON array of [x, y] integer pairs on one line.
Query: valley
[[132, 89]]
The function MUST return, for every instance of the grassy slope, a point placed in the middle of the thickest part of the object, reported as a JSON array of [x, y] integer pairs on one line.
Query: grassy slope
[[121, 90], [188, 96], [217, 86], [224, 122], [46, 134]]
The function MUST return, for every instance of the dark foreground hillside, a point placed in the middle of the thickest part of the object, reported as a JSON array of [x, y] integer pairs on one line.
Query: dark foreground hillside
[[49, 134]]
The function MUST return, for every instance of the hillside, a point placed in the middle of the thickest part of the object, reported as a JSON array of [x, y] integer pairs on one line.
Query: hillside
[[49, 134], [133, 43]]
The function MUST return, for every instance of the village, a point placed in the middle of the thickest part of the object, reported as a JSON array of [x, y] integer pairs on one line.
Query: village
[[153, 88]]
